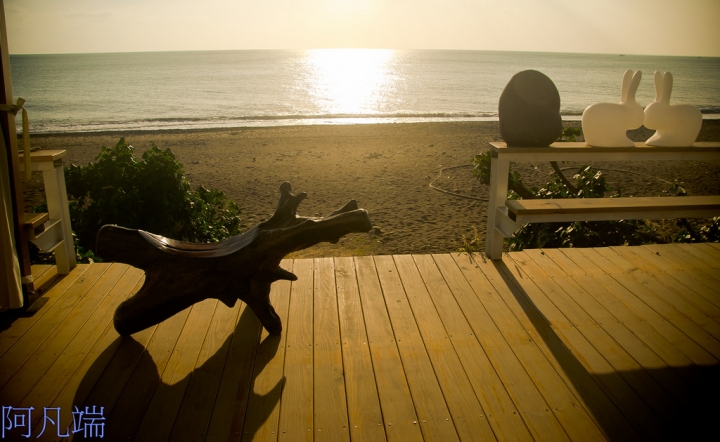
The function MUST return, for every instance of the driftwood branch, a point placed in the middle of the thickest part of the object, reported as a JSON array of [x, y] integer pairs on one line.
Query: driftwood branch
[[683, 222], [179, 274], [558, 171], [519, 188]]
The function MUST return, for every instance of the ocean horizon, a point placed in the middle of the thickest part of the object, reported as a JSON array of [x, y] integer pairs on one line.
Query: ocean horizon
[[69, 93]]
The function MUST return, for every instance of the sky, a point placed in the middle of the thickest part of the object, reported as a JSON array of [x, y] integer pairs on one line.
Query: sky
[[647, 27]]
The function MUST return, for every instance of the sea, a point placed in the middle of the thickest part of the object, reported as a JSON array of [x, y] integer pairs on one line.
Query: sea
[[251, 88]]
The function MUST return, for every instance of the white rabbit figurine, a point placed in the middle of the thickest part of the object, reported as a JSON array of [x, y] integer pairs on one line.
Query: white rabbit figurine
[[606, 124], [677, 125]]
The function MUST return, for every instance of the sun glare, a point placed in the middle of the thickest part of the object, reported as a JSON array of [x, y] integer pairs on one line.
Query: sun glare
[[349, 81]]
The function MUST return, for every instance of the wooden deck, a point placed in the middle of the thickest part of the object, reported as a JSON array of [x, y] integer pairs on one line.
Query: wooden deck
[[580, 344]]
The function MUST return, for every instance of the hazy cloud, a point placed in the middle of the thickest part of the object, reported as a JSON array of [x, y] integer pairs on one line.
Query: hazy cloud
[[665, 27]]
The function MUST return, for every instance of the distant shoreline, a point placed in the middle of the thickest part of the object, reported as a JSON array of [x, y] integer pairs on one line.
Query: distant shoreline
[[565, 118], [132, 132]]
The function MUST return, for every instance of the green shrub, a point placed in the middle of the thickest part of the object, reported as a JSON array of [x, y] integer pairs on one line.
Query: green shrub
[[481, 171], [586, 183], [690, 234], [151, 194]]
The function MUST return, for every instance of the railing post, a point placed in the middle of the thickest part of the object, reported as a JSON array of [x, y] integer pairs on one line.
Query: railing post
[[58, 208], [499, 170]]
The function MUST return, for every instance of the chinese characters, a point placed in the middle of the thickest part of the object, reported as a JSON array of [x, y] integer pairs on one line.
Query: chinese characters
[[89, 421]]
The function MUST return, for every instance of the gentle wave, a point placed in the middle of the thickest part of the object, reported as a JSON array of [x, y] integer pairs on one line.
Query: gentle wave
[[253, 121], [450, 115], [157, 124]]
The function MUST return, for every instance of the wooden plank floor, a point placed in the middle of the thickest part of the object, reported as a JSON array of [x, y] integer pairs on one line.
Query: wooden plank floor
[[617, 343]]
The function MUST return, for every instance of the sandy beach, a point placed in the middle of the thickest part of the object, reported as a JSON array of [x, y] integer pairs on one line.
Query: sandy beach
[[387, 168]]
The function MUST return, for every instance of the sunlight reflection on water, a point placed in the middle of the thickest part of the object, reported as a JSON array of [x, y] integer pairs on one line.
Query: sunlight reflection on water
[[349, 81], [205, 89]]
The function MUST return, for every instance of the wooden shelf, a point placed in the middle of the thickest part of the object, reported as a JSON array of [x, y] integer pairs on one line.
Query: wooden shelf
[[504, 217], [43, 156], [574, 151], [35, 220], [52, 232]]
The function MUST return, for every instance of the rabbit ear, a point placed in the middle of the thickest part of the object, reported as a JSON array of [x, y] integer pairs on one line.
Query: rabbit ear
[[658, 86], [634, 86], [667, 79], [627, 77]]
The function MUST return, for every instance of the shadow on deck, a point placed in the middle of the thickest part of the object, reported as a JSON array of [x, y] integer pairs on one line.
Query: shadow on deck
[[580, 344]]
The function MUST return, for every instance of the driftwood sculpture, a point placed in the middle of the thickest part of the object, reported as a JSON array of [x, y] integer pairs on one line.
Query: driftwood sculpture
[[178, 274]]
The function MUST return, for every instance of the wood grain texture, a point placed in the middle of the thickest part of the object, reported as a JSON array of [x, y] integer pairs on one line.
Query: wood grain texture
[[364, 412], [330, 406], [430, 404], [296, 412], [400, 419], [467, 414], [257, 417], [12, 334], [567, 344]]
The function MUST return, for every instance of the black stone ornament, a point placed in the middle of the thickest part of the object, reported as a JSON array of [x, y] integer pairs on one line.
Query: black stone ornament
[[529, 111]]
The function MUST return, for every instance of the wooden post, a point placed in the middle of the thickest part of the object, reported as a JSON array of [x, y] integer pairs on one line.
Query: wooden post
[[58, 208], [7, 122], [499, 170]]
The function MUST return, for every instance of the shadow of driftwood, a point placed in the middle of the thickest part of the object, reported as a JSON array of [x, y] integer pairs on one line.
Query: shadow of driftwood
[[652, 412], [125, 380], [264, 404]]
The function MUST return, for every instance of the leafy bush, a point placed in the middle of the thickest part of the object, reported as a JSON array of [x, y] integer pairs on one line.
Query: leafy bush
[[689, 234], [481, 171], [150, 194], [588, 183], [570, 134]]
